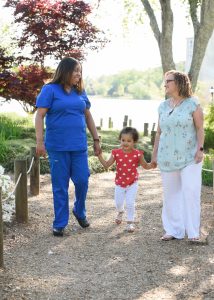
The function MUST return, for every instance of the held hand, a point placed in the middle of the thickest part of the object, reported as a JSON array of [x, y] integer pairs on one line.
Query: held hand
[[97, 148], [153, 165], [154, 161], [199, 156], [40, 150]]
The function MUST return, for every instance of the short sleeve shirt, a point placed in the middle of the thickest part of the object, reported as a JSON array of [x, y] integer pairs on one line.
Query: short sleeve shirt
[[65, 118], [178, 139], [126, 166]]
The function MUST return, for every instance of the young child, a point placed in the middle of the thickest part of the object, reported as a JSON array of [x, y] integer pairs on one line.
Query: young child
[[127, 160]]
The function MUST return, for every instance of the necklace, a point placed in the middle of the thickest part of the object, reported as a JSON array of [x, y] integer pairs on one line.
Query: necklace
[[175, 105]]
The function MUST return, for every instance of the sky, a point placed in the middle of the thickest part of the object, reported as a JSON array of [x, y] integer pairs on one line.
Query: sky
[[138, 50]]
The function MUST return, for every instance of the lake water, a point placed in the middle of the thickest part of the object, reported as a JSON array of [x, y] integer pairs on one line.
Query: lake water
[[138, 111]]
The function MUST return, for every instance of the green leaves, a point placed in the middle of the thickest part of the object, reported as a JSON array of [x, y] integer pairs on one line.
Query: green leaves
[[55, 28]]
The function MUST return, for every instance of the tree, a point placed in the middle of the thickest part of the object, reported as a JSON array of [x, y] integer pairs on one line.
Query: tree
[[56, 28], [202, 16], [24, 84], [50, 29], [201, 13]]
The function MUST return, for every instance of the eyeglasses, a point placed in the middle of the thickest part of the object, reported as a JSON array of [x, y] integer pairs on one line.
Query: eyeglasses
[[168, 80]]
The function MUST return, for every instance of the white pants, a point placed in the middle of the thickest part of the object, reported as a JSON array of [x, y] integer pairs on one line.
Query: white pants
[[129, 194], [181, 203]]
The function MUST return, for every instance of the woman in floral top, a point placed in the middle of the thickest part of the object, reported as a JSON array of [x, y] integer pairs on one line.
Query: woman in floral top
[[178, 150]]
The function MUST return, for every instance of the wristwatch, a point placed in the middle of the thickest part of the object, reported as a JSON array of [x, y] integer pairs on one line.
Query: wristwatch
[[201, 148]]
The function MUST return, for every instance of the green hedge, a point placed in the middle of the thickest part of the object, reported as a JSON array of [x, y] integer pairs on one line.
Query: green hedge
[[207, 177], [209, 139]]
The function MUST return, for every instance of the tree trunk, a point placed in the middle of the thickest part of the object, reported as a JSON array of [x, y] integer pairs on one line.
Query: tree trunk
[[164, 37], [202, 32], [165, 45]]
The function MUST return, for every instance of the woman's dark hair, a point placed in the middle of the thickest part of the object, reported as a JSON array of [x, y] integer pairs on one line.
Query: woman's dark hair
[[183, 83], [64, 71], [130, 130]]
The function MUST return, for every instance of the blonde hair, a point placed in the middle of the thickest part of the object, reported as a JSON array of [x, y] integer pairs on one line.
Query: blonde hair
[[183, 83]]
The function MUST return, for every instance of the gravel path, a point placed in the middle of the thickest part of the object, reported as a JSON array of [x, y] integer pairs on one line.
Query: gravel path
[[104, 261]]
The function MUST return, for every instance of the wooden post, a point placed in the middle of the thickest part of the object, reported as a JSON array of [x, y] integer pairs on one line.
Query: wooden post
[[109, 122], [146, 127], [153, 133], [34, 173], [153, 127], [130, 123], [1, 233], [21, 204], [101, 123], [125, 122]]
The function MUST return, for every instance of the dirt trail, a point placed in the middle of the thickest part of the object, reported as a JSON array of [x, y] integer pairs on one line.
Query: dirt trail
[[104, 261]]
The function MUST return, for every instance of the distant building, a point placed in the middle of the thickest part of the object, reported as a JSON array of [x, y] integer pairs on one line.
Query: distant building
[[207, 67], [189, 52]]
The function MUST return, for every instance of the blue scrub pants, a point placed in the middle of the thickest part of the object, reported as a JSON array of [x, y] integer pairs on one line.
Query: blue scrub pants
[[66, 165]]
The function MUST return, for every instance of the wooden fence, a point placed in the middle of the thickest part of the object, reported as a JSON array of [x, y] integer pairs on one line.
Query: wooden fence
[[20, 191], [128, 122]]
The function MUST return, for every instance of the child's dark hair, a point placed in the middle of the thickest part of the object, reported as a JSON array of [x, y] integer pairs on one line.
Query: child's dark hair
[[132, 131]]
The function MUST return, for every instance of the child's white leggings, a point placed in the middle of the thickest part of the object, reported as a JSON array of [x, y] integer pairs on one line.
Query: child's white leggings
[[181, 203], [129, 194]]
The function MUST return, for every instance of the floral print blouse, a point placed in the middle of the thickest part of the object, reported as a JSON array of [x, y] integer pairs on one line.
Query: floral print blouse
[[178, 139]]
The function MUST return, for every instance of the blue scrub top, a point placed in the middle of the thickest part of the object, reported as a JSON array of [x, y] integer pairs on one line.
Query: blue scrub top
[[65, 118]]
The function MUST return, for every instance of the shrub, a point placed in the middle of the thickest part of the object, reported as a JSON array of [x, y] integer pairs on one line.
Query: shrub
[[207, 177], [209, 118], [12, 126], [7, 155], [96, 167], [209, 139], [44, 166]]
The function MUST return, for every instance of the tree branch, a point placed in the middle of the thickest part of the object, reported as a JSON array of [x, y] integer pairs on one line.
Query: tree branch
[[193, 5], [152, 18]]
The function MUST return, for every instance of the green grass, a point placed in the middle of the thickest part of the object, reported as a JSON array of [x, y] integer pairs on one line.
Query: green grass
[[207, 177], [13, 126]]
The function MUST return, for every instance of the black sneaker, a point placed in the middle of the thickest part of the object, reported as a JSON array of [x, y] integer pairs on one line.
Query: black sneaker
[[83, 222], [58, 231]]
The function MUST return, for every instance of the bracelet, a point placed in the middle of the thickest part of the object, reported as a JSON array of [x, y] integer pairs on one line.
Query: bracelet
[[96, 140]]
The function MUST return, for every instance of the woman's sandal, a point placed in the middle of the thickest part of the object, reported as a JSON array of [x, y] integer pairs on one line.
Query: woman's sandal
[[194, 240], [167, 237], [119, 218]]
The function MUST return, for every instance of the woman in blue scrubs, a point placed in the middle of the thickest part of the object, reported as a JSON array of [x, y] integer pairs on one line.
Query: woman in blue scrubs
[[65, 106]]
